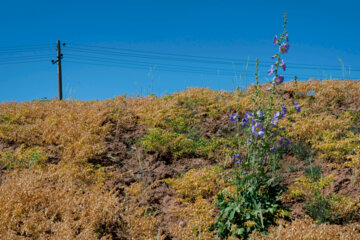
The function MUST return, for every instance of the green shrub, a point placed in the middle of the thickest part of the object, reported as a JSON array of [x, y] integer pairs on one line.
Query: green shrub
[[168, 144]]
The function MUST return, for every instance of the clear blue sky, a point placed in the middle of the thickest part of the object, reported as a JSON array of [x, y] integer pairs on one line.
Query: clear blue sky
[[112, 46]]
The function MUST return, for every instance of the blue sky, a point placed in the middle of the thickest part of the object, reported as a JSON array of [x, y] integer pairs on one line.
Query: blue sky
[[143, 47]]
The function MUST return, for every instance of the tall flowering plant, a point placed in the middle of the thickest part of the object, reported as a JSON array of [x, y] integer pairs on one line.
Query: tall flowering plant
[[255, 204]]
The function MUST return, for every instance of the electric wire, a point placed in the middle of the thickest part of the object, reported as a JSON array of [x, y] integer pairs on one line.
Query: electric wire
[[111, 50]]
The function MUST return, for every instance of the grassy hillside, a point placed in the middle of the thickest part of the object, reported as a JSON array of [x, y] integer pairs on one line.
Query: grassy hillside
[[151, 167]]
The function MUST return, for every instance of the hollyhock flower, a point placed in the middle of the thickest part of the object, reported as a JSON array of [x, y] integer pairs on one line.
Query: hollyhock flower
[[275, 40], [284, 48], [283, 65], [271, 70], [236, 158], [234, 117], [284, 111], [297, 107], [258, 130], [278, 79], [284, 142]]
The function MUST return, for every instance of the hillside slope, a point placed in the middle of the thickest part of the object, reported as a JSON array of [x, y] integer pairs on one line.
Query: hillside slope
[[151, 167]]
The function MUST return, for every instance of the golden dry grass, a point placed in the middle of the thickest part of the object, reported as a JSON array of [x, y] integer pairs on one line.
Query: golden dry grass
[[60, 202], [69, 200], [302, 229]]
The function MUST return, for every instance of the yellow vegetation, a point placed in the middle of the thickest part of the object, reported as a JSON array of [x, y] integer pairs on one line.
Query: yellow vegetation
[[69, 200], [301, 229], [61, 202]]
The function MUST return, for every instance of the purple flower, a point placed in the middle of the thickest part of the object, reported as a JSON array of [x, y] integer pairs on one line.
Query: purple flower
[[284, 142], [249, 141], [236, 158], [283, 128], [271, 70], [287, 37], [275, 40], [234, 117], [284, 47], [260, 114], [245, 120], [297, 107], [278, 79], [283, 65], [275, 119], [247, 115], [274, 122], [284, 111], [258, 130]]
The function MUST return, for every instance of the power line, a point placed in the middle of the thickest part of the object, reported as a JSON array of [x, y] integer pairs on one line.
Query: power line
[[27, 46], [24, 57], [170, 67], [110, 50], [20, 62], [162, 68]]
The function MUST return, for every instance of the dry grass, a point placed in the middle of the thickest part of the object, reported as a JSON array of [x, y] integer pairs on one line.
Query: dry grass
[[69, 200], [61, 202], [302, 229]]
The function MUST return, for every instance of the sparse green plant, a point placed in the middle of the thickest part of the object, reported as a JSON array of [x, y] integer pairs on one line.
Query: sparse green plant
[[313, 172], [255, 203], [22, 158]]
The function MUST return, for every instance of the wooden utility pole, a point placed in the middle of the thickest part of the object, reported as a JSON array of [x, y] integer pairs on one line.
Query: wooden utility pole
[[58, 61]]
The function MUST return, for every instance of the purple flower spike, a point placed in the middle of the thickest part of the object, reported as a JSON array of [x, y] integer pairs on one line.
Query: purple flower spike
[[275, 40], [284, 111], [284, 47], [236, 158], [271, 70], [287, 37], [283, 65], [285, 142], [297, 107], [278, 79], [234, 117], [258, 130]]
